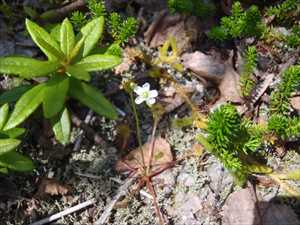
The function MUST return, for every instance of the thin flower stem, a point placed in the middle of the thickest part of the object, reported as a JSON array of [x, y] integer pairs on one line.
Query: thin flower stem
[[152, 145], [150, 187], [138, 131]]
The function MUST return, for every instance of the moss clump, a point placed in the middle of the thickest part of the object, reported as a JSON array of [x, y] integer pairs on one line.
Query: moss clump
[[231, 140], [192, 7], [247, 83], [239, 24], [280, 99]]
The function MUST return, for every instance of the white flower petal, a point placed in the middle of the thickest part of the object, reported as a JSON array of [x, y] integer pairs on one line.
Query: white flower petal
[[138, 90], [150, 101], [153, 94], [139, 100], [146, 86]]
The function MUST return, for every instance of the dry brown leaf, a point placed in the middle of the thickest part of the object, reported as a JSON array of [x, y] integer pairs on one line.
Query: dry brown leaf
[[185, 31], [162, 154], [49, 186], [213, 68], [208, 66], [230, 86], [129, 57]]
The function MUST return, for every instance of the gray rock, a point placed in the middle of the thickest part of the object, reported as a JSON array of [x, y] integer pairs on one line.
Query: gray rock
[[240, 208]]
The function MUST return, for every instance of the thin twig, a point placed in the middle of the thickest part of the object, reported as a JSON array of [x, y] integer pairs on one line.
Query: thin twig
[[87, 175], [121, 192], [65, 212], [55, 15]]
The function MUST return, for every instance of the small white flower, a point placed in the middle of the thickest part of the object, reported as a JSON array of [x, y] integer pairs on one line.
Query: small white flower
[[145, 94]]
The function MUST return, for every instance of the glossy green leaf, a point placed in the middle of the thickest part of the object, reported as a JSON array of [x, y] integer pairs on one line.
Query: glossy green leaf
[[62, 127], [25, 106], [99, 62], [59, 55], [3, 115], [37, 33], [77, 49], [7, 145], [27, 67], [55, 32], [92, 98], [15, 161], [14, 94], [54, 95], [12, 133], [79, 73], [67, 37], [92, 31]]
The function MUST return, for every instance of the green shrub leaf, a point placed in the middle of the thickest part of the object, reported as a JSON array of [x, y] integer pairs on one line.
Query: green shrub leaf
[[4, 170], [92, 98], [59, 55], [92, 32], [7, 145], [15, 161], [12, 133], [78, 72], [55, 32], [54, 95], [14, 94], [77, 48], [99, 62], [62, 127], [27, 67], [37, 33], [3, 115], [25, 106], [67, 37]]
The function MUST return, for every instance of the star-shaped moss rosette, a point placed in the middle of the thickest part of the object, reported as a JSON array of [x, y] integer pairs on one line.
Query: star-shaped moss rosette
[[68, 66]]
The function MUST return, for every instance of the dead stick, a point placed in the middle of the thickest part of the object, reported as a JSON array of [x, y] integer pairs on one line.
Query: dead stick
[[55, 15], [65, 212], [121, 192]]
